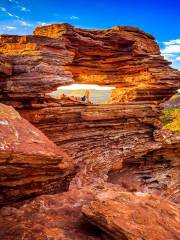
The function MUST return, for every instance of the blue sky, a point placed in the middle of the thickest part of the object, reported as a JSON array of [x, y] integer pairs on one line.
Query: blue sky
[[158, 17]]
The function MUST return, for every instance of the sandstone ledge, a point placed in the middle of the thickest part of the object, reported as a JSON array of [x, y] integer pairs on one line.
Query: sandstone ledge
[[30, 164]]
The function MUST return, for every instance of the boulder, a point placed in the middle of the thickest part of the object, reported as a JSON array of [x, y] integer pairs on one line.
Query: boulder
[[129, 216], [30, 164]]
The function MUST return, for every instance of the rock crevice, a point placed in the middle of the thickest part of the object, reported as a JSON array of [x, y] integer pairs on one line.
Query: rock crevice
[[50, 145]]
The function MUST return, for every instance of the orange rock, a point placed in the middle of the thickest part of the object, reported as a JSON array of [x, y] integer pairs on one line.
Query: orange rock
[[5, 67], [120, 142], [136, 216], [30, 164], [99, 138], [56, 217], [61, 54]]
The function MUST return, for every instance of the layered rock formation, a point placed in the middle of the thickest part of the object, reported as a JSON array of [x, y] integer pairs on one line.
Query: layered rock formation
[[30, 164], [59, 54], [130, 216], [121, 142], [55, 216], [112, 212], [156, 172], [126, 58], [98, 138], [5, 67]]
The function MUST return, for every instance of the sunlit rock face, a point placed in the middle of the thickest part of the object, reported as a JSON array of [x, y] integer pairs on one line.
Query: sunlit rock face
[[59, 54], [30, 164], [128, 216], [125, 57], [120, 142], [98, 138], [36, 69], [56, 217]]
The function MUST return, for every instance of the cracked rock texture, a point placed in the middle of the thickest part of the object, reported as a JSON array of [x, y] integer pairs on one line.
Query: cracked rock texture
[[124, 215], [121, 143], [30, 164], [59, 54]]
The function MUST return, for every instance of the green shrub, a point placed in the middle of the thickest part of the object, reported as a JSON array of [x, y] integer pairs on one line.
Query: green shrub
[[171, 119]]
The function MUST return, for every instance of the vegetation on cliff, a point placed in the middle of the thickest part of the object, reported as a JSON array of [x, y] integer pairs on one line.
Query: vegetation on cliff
[[171, 114]]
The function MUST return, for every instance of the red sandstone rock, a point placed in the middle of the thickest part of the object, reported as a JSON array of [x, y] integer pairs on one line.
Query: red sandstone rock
[[118, 142], [129, 216], [59, 54], [155, 172], [5, 67], [30, 164], [98, 138], [119, 214], [56, 217]]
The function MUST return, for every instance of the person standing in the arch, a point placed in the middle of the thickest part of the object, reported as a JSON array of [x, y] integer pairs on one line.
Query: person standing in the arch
[[86, 97]]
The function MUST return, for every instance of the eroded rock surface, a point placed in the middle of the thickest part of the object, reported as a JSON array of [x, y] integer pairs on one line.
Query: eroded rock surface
[[30, 164], [156, 172], [108, 213], [98, 138], [59, 54], [124, 215], [56, 217], [121, 142]]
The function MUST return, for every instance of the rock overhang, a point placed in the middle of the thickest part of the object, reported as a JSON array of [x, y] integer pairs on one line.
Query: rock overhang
[[60, 54], [99, 139], [30, 164], [124, 57]]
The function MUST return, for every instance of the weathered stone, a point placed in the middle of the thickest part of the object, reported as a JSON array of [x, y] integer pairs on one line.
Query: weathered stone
[[136, 216], [156, 172], [98, 138], [60, 54], [121, 142], [56, 217], [5, 67], [30, 164]]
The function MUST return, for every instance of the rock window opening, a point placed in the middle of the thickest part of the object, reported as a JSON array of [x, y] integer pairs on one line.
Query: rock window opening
[[93, 94]]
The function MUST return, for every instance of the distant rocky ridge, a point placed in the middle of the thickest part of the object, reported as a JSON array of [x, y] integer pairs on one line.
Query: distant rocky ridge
[[173, 102], [110, 149]]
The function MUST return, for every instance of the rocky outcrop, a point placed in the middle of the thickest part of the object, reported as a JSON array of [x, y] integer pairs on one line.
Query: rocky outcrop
[[107, 57], [99, 138], [60, 54], [124, 216], [5, 67], [56, 217], [95, 213], [33, 65], [30, 164], [120, 142], [156, 172]]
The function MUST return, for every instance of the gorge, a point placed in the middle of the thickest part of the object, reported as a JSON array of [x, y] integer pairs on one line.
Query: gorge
[[67, 167]]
